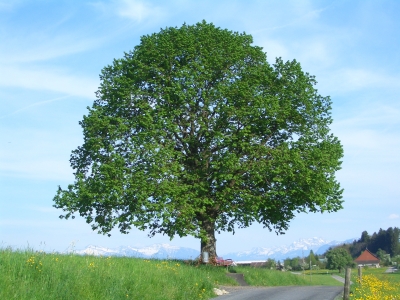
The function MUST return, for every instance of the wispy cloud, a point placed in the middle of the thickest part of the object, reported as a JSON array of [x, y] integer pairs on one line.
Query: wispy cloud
[[353, 79], [378, 113], [394, 216], [371, 144], [28, 58], [52, 36], [366, 134], [48, 79], [303, 17], [37, 168], [34, 105], [274, 48], [35, 48], [38, 154], [135, 10], [384, 144]]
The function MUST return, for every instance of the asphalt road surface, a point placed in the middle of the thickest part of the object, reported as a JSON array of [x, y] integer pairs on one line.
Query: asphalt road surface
[[282, 293]]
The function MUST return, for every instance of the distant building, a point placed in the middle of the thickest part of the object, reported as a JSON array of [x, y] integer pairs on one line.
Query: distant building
[[322, 260], [367, 259]]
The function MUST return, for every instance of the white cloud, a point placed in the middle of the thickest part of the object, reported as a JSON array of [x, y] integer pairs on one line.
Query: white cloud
[[39, 169], [34, 47], [314, 53], [371, 144], [371, 129], [364, 139], [39, 154], [48, 79], [134, 10], [356, 79], [299, 16], [35, 104], [137, 11], [274, 48], [316, 50], [393, 216], [373, 115], [41, 41]]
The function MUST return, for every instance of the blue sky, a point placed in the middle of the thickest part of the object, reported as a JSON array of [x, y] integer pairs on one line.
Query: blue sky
[[51, 55]]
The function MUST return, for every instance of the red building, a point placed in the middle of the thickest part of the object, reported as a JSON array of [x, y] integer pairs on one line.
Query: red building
[[367, 259]]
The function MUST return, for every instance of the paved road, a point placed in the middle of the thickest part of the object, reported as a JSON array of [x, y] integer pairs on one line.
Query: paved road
[[391, 270], [282, 293], [340, 279]]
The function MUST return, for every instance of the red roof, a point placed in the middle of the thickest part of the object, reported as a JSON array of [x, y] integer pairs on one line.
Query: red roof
[[367, 258]]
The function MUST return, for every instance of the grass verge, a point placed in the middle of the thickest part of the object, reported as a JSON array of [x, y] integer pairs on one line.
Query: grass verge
[[38, 275], [266, 277]]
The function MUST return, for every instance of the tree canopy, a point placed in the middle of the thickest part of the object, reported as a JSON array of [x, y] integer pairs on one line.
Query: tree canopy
[[312, 260], [387, 240], [194, 132], [338, 258]]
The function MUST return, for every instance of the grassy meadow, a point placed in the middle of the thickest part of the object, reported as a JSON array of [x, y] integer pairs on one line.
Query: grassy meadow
[[39, 275], [266, 277]]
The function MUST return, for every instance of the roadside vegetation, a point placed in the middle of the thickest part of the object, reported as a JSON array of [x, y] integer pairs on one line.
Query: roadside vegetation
[[267, 277], [375, 284], [38, 275]]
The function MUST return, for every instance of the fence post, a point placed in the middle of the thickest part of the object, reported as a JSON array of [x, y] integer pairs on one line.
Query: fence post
[[346, 293], [360, 274]]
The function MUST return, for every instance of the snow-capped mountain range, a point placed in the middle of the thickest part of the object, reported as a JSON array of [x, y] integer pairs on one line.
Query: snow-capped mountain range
[[299, 248], [159, 251]]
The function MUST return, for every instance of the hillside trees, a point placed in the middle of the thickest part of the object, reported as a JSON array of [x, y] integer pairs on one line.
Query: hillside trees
[[270, 263], [383, 257], [311, 259], [194, 132], [386, 240], [294, 263], [393, 237], [365, 238]]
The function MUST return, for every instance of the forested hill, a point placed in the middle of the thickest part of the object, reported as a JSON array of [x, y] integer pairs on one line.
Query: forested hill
[[386, 240]]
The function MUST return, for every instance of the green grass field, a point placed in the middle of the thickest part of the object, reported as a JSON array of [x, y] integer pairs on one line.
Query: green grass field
[[38, 275], [265, 277], [32, 275]]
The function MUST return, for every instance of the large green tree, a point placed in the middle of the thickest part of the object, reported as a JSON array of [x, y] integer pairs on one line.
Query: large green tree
[[338, 258], [194, 132]]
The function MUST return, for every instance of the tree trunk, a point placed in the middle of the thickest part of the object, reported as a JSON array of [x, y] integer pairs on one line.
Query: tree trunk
[[208, 241]]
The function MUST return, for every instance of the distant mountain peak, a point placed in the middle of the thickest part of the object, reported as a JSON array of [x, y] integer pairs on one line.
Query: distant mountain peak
[[301, 247], [160, 251]]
